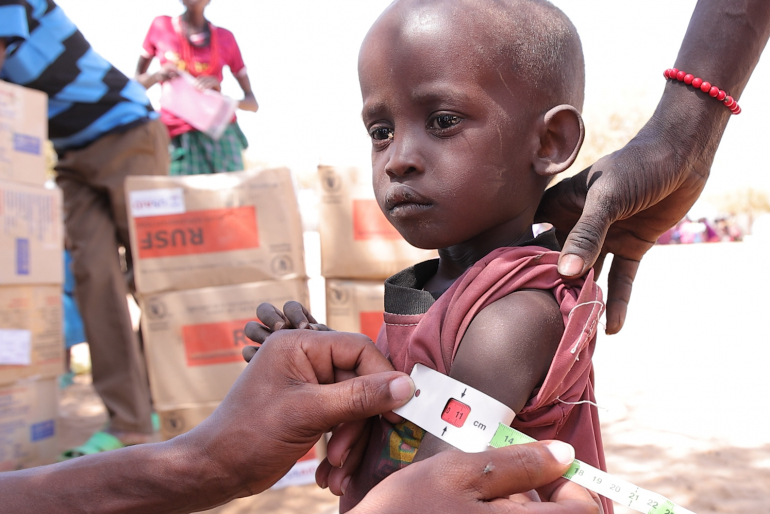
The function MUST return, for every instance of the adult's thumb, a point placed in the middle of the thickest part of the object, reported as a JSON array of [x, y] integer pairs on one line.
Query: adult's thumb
[[363, 397], [584, 243], [517, 469]]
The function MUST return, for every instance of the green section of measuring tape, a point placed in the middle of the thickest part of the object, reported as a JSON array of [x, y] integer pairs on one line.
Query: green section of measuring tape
[[619, 491]]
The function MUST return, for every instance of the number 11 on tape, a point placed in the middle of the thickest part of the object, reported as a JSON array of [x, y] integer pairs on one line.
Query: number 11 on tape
[[472, 421]]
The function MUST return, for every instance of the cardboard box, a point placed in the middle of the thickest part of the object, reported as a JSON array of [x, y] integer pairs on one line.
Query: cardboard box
[[23, 132], [193, 339], [357, 241], [177, 421], [31, 235], [214, 230], [31, 338], [28, 435], [355, 306]]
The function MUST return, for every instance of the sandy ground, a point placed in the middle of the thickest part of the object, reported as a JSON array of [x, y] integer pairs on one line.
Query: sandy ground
[[682, 388]]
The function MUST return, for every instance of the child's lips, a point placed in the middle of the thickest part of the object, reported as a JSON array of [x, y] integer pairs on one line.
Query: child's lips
[[403, 200]]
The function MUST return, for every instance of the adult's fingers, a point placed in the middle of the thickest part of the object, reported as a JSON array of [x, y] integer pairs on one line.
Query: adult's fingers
[[272, 317], [619, 284], [334, 352], [361, 397], [584, 242]]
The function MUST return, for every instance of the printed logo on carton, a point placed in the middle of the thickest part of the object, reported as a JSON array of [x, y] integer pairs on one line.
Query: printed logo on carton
[[330, 181], [338, 295], [173, 422], [155, 309], [281, 265]]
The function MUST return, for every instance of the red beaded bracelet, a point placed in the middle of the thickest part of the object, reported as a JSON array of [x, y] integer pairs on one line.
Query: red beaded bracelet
[[706, 87]]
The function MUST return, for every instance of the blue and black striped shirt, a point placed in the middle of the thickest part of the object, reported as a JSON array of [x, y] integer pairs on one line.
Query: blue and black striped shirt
[[87, 96]]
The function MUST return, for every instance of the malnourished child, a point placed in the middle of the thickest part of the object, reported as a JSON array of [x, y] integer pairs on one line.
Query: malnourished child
[[472, 107]]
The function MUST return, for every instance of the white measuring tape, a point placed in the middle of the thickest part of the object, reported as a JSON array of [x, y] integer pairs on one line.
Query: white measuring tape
[[471, 421]]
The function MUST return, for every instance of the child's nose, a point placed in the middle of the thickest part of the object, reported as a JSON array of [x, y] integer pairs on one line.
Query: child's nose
[[404, 156]]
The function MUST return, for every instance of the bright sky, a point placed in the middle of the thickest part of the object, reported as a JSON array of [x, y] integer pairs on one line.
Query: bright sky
[[301, 56]]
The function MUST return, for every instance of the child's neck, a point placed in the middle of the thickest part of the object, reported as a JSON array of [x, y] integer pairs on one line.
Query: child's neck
[[195, 20], [456, 259]]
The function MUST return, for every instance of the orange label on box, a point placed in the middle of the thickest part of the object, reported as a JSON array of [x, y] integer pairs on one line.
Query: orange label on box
[[370, 223], [215, 343], [371, 323], [196, 232]]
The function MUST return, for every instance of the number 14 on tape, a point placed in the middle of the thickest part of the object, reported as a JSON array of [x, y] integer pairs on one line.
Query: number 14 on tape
[[466, 418]]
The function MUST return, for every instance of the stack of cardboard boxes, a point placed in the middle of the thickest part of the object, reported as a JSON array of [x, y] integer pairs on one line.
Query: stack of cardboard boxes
[[207, 250], [31, 275], [359, 250]]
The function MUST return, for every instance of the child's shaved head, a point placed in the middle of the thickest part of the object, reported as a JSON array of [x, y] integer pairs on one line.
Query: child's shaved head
[[531, 38]]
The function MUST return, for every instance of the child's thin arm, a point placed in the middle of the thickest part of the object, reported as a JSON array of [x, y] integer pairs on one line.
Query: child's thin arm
[[506, 352]]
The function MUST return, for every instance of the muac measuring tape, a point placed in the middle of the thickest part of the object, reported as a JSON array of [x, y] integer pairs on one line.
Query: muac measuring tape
[[472, 422]]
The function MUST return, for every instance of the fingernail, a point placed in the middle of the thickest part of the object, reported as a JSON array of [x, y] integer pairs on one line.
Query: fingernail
[[562, 452], [324, 483], [344, 485], [344, 458], [570, 265], [401, 388], [278, 326], [303, 325]]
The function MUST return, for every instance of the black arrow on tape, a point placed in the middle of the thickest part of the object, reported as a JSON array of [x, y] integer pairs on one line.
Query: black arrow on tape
[[463, 395], [444, 432]]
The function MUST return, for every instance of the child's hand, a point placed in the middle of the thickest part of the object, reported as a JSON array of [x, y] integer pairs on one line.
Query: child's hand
[[206, 82], [294, 316], [345, 451]]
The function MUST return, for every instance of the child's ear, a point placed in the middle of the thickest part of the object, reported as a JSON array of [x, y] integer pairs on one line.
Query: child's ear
[[561, 133]]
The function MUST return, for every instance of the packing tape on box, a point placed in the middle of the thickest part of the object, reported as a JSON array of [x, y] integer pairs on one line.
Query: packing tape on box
[[473, 421]]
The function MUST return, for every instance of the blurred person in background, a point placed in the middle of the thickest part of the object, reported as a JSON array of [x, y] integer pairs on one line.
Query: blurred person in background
[[193, 44], [103, 129]]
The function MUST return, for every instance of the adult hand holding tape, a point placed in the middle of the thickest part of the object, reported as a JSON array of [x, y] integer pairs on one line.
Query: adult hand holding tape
[[286, 398], [470, 483]]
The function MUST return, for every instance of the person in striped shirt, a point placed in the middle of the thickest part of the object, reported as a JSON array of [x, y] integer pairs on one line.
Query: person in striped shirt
[[103, 129]]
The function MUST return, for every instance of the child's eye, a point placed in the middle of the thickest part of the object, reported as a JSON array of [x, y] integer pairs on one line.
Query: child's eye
[[445, 121], [381, 133]]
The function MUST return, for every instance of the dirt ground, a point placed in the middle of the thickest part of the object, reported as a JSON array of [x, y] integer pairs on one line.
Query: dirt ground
[[682, 388]]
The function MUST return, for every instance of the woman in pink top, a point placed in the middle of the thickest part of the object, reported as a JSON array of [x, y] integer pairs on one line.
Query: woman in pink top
[[192, 43]]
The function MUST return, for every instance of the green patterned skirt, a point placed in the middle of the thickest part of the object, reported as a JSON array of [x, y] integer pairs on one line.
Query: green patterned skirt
[[195, 153]]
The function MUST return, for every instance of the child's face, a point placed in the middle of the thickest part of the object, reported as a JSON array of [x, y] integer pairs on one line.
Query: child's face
[[452, 133]]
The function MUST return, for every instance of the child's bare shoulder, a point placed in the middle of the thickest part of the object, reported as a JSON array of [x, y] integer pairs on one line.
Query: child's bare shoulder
[[509, 346]]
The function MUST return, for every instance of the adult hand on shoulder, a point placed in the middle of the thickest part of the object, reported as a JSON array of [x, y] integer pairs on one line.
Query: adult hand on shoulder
[[299, 385], [468, 483], [621, 205]]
